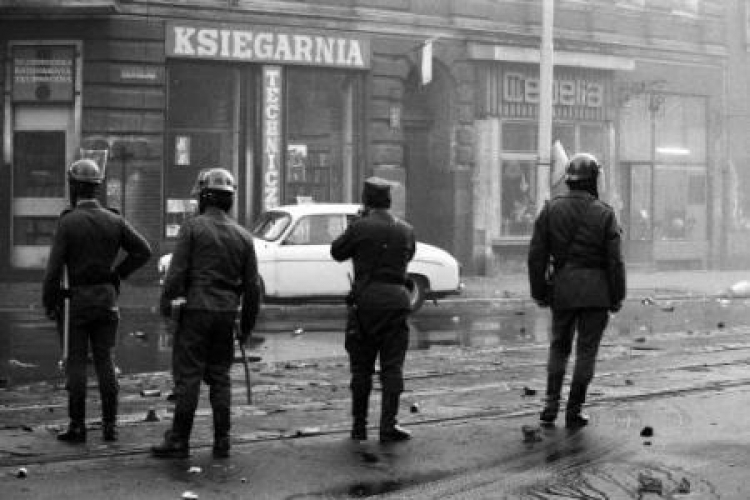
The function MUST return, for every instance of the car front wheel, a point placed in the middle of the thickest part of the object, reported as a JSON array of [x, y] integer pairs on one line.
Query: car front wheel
[[418, 292]]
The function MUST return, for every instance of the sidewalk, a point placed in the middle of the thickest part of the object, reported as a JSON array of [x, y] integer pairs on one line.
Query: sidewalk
[[508, 286]]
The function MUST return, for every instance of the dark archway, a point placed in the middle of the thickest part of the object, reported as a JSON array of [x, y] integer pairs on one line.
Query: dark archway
[[429, 155]]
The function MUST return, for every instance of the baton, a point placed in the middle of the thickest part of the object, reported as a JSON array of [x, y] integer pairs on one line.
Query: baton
[[62, 364], [248, 387]]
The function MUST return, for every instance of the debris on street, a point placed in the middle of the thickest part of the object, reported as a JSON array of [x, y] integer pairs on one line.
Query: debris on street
[[307, 431], [298, 331], [151, 416], [189, 495], [684, 487], [531, 433], [528, 391], [649, 484], [150, 393], [22, 473], [741, 289], [647, 431], [414, 408], [195, 470]]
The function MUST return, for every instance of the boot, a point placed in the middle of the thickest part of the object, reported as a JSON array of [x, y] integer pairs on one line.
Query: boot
[[76, 433], [360, 403], [222, 424], [172, 447], [176, 442], [109, 417], [552, 402], [390, 431], [574, 417]]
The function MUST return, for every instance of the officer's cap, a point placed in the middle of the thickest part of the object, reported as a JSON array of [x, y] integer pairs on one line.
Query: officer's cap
[[377, 192]]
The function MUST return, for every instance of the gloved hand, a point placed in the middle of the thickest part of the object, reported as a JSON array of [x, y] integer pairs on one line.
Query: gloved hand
[[615, 307]]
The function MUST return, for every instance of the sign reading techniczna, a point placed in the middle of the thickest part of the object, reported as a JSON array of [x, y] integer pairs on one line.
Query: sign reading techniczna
[[262, 44]]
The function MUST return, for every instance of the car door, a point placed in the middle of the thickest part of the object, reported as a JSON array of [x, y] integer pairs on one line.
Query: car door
[[303, 260]]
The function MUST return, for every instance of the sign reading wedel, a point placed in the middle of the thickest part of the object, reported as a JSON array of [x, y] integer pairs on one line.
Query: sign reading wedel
[[265, 45]]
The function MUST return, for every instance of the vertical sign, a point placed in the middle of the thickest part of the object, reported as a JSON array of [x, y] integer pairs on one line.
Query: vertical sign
[[272, 86]]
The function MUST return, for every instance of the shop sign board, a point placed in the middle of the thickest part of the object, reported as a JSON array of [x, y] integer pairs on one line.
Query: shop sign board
[[44, 73], [272, 88], [263, 44]]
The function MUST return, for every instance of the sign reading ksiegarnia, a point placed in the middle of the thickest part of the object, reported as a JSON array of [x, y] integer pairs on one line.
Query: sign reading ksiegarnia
[[264, 44]]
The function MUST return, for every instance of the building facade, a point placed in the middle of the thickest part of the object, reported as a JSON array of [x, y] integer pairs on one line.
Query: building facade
[[303, 101]]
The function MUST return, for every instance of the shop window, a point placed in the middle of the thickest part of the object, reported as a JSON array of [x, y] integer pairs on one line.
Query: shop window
[[321, 134], [518, 194], [681, 129], [38, 168], [680, 210], [201, 132], [635, 130], [520, 136]]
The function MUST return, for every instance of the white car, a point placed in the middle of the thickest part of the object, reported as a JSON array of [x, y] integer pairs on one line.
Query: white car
[[293, 246]]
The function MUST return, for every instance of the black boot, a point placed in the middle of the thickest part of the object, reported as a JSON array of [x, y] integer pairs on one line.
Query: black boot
[[109, 417], [172, 447], [76, 433], [176, 442], [574, 417], [222, 425], [390, 431], [360, 404], [552, 402]]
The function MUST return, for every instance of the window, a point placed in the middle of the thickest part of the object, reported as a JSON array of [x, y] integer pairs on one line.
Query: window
[[201, 132], [316, 230], [321, 134], [518, 194]]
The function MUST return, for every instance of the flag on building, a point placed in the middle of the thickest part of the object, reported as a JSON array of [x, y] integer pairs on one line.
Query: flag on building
[[427, 62]]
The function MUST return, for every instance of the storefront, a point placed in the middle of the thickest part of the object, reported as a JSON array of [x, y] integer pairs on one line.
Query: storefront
[[665, 173], [508, 190], [279, 108]]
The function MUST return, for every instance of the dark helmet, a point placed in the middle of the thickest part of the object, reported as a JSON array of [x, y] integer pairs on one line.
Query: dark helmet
[[581, 167], [217, 179], [86, 171]]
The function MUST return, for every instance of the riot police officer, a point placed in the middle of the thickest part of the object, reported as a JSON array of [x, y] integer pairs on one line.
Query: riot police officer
[[214, 268], [380, 246], [86, 245], [576, 238]]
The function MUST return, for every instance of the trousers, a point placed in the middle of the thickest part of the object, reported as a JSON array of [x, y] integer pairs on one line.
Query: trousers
[[589, 325], [96, 327], [203, 352]]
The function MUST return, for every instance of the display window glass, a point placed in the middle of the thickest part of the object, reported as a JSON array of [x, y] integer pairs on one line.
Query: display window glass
[[321, 135], [201, 133], [519, 172]]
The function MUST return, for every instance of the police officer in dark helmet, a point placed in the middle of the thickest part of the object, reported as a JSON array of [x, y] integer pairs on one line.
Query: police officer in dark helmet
[[579, 236], [380, 246], [214, 268], [87, 242]]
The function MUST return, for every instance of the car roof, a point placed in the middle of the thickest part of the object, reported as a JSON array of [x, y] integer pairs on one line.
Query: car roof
[[317, 208]]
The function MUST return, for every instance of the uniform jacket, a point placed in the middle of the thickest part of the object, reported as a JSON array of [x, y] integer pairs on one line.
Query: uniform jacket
[[87, 240], [380, 246], [213, 265], [580, 234]]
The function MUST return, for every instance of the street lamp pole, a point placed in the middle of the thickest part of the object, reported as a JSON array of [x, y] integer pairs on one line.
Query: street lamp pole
[[546, 64]]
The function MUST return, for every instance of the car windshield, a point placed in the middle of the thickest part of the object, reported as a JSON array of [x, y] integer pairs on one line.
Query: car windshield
[[270, 225]]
